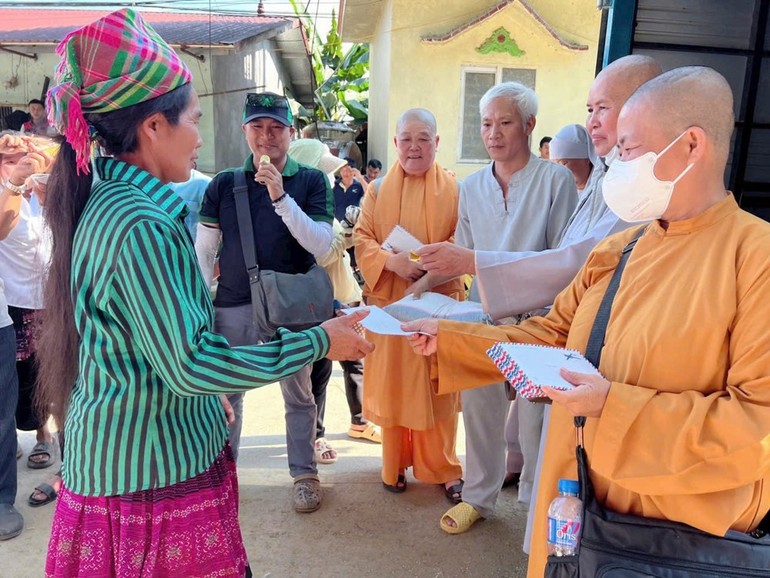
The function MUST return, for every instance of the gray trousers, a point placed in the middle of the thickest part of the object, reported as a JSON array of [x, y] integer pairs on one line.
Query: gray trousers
[[536, 485], [237, 326], [522, 436], [485, 410]]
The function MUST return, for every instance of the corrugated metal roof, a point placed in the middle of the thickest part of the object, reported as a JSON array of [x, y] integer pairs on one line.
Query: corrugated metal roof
[[50, 26]]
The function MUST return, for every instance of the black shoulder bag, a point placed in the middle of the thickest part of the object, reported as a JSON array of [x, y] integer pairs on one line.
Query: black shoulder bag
[[616, 545], [294, 301]]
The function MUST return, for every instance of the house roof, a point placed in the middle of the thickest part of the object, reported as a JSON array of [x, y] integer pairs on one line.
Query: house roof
[[24, 28], [487, 14], [19, 26], [358, 19]]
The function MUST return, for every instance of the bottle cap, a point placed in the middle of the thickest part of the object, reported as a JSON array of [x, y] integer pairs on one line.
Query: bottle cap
[[569, 487]]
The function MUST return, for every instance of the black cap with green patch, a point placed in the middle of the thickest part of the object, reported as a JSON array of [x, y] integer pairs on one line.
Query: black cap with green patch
[[269, 105]]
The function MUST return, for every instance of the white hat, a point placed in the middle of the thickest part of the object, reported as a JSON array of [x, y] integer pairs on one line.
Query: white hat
[[314, 153], [572, 142]]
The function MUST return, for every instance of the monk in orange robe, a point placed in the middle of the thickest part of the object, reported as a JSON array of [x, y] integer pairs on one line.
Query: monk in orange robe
[[419, 427]]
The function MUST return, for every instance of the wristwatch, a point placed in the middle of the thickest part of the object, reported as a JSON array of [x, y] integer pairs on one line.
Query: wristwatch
[[17, 190]]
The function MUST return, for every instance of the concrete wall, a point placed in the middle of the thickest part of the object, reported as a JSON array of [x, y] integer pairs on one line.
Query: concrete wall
[[412, 73], [30, 75], [380, 131], [253, 68]]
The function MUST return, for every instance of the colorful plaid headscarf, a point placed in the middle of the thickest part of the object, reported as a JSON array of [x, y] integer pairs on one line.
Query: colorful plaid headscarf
[[114, 62]]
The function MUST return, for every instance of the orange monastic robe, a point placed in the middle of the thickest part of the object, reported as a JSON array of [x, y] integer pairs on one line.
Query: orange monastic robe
[[398, 389], [685, 431]]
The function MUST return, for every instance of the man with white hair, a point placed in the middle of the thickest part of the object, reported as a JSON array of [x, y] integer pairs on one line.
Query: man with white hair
[[516, 283], [516, 203]]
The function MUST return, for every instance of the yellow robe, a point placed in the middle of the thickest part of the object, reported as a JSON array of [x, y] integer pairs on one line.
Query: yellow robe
[[398, 389], [685, 431]]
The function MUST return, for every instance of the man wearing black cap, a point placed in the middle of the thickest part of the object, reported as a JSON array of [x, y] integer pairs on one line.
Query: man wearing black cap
[[291, 210]]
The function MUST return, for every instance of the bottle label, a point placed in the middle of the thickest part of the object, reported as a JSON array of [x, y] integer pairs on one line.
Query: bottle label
[[564, 533]]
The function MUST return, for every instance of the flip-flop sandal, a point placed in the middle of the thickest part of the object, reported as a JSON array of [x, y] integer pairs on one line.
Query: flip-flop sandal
[[464, 516], [45, 489], [371, 433], [399, 487], [42, 449], [454, 493], [323, 448]]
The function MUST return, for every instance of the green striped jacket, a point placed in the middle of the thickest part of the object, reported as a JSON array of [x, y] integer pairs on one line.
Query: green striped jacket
[[145, 412]]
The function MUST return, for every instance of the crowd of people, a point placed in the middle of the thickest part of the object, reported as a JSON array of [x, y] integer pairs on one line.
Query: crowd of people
[[151, 399]]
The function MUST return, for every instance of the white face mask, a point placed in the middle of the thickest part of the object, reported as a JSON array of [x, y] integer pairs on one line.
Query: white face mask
[[633, 192]]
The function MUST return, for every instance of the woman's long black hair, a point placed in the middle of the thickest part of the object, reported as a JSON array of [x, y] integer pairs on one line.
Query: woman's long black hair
[[68, 194]]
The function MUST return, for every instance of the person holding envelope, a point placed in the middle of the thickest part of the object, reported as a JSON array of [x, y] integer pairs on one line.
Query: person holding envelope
[[419, 428]]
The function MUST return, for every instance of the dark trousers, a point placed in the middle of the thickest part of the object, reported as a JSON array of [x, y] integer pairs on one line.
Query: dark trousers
[[27, 418], [319, 380], [9, 394], [353, 376]]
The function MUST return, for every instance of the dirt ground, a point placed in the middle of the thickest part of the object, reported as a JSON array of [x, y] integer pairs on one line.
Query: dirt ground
[[361, 530]]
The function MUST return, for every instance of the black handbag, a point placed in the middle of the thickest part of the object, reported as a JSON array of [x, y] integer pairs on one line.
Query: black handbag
[[614, 545], [294, 301]]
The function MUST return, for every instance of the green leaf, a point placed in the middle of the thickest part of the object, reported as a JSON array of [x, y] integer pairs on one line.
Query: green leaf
[[358, 109], [337, 72], [358, 54], [358, 85]]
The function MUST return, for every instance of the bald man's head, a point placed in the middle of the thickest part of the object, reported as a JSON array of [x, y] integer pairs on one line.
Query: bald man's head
[[420, 115], [416, 141], [609, 91], [690, 96], [625, 75]]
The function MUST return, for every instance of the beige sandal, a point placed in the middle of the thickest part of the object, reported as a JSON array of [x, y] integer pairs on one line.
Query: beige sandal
[[371, 433], [463, 515]]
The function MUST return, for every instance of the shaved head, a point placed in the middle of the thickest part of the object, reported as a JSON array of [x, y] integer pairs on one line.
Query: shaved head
[[690, 96], [420, 115], [416, 141], [623, 76], [609, 91]]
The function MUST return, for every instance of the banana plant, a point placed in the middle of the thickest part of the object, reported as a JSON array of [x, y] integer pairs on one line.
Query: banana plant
[[341, 78]]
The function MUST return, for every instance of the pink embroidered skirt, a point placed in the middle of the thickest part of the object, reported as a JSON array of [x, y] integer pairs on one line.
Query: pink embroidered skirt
[[188, 529]]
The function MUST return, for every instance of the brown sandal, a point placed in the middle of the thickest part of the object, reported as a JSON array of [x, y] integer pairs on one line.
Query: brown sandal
[[454, 493], [399, 487]]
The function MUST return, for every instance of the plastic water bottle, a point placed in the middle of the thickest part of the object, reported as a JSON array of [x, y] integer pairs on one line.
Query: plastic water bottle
[[565, 518]]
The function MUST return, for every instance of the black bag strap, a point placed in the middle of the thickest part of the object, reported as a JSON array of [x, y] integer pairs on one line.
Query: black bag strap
[[594, 354], [599, 329], [245, 226]]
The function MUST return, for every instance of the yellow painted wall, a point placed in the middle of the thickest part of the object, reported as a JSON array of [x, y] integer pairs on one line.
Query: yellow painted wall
[[430, 76]]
